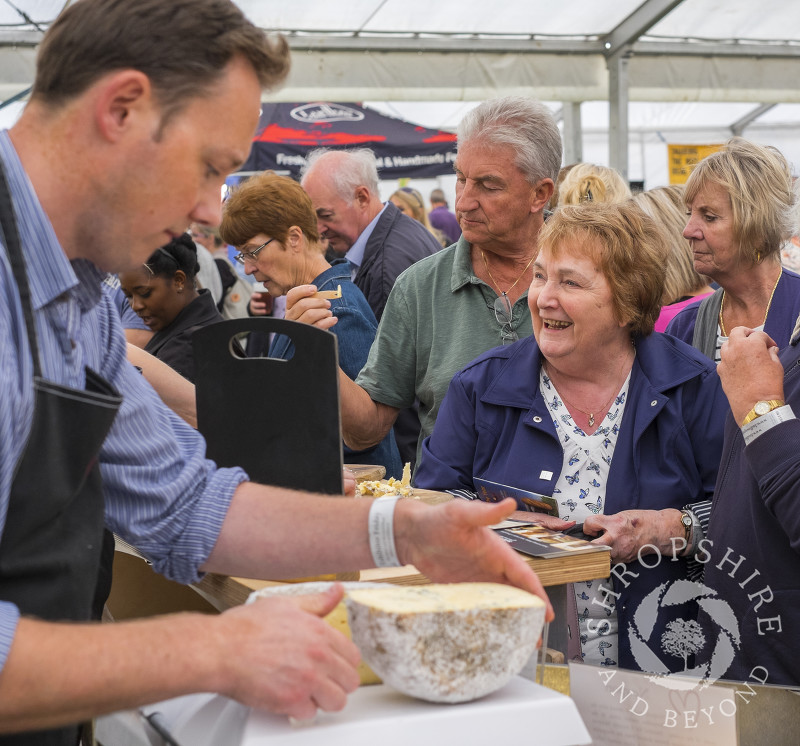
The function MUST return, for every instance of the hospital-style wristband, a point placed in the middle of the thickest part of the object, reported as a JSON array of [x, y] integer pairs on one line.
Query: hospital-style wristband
[[381, 532], [759, 425]]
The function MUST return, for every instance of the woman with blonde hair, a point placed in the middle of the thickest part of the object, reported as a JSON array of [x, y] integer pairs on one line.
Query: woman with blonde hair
[[588, 182], [682, 285], [790, 253], [740, 213], [410, 202], [562, 174]]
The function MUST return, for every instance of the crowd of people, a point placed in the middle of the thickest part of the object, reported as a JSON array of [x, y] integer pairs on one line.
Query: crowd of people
[[634, 358]]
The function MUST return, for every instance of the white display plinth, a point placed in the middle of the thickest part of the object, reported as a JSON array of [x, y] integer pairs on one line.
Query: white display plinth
[[521, 712]]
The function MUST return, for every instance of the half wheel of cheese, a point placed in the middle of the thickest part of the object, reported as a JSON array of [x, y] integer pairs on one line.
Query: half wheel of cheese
[[445, 643]]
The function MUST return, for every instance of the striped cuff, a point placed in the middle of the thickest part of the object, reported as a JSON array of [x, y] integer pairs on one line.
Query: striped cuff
[[702, 512], [9, 618], [463, 494]]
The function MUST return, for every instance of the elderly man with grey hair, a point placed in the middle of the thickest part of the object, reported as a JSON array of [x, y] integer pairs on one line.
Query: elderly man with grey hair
[[449, 308], [377, 239]]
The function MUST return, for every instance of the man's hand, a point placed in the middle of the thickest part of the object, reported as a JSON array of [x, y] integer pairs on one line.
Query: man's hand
[[276, 654], [628, 531], [452, 543], [301, 305], [750, 370], [279, 655]]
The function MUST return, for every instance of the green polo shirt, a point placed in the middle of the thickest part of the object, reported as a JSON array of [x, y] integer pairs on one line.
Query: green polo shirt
[[439, 317]]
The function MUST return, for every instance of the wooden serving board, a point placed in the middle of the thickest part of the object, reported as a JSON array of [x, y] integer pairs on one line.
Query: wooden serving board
[[367, 472], [431, 497], [225, 592]]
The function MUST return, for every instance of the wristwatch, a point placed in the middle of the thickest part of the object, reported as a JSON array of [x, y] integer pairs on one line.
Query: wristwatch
[[686, 520], [761, 408]]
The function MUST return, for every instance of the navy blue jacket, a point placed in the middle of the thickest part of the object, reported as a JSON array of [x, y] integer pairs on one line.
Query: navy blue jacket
[[494, 424], [396, 242], [756, 517], [783, 313]]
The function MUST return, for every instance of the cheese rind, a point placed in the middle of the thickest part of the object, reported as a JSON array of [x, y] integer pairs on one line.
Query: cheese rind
[[445, 643]]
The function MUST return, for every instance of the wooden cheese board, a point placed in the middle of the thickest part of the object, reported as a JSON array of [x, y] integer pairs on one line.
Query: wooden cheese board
[[365, 472]]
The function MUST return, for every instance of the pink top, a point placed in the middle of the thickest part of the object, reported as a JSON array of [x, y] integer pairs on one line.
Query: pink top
[[673, 309]]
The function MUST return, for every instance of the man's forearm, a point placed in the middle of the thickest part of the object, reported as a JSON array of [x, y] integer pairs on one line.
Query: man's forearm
[[274, 654], [365, 422], [57, 674], [175, 391], [264, 526]]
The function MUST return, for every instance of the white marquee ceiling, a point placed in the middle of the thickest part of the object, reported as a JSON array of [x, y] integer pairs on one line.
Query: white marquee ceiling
[[462, 50], [699, 68]]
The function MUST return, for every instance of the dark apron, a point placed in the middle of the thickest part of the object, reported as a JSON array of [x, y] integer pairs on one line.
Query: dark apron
[[51, 546]]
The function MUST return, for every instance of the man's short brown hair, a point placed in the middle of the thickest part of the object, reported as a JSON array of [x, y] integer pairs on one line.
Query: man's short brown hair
[[183, 46], [627, 246]]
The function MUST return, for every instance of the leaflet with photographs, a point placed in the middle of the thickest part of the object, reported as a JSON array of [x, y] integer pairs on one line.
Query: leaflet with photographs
[[538, 541]]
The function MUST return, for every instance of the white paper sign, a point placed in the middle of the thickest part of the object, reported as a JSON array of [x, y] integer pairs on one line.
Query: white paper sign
[[626, 708]]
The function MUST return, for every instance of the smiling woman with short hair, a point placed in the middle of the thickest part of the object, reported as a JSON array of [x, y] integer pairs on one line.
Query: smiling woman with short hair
[[620, 426]]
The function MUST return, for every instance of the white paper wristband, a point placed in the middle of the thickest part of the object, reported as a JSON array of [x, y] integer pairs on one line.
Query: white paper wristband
[[381, 531], [760, 425]]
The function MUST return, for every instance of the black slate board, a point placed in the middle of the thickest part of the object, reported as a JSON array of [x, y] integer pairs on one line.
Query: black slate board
[[278, 419]]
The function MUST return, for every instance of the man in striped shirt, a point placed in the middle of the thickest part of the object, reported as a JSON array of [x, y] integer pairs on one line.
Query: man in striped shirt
[[139, 110]]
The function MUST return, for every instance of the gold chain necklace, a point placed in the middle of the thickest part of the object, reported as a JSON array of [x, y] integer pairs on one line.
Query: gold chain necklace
[[599, 410], [494, 282], [591, 414], [769, 303]]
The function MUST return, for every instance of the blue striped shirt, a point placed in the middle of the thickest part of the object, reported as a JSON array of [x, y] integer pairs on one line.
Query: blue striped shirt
[[162, 495]]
